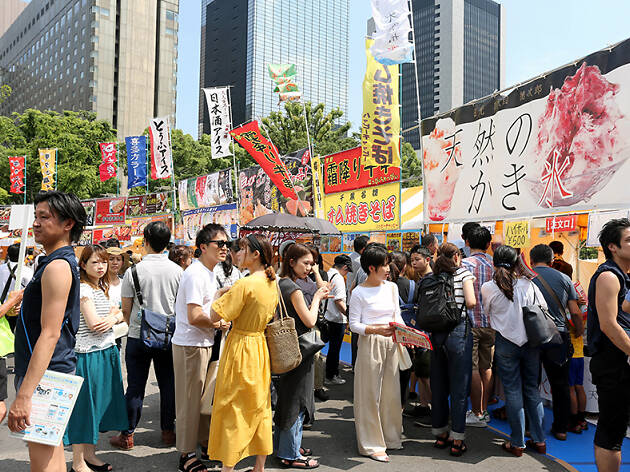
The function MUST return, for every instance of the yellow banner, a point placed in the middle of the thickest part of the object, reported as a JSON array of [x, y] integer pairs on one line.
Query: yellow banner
[[380, 123], [516, 233], [47, 161], [318, 186], [368, 209]]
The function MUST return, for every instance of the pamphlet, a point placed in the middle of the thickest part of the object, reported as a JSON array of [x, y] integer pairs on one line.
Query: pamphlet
[[51, 407], [408, 336]]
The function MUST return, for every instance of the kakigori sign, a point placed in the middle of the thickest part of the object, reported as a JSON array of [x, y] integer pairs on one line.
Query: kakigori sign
[[559, 142]]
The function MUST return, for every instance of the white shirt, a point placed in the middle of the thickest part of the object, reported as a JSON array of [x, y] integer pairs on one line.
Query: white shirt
[[197, 285], [88, 340], [374, 305], [114, 294], [222, 280], [5, 271], [338, 292], [506, 316]]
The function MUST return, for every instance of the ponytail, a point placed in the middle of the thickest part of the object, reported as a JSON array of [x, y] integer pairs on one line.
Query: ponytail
[[505, 278], [270, 273]]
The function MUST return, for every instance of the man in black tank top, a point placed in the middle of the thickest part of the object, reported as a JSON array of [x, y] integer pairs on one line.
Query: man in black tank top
[[45, 332], [609, 343]]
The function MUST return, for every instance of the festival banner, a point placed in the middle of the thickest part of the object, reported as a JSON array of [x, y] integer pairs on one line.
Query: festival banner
[[205, 191], [109, 155], [48, 164], [17, 165], [102, 234], [138, 224], [225, 215], [266, 155], [344, 171], [391, 38], [88, 206], [370, 209], [161, 158], [380, 123], [284, 77], [409, 240], [557, 143], [151, 204], [136, 161], [318, 186], [5, 215], [298, 165], [393, 241], [220, 121], [110, 211], [560, 224]]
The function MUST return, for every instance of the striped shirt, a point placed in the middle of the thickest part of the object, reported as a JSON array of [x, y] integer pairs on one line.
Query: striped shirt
[[459, 278], [481, 266], [88, 340]]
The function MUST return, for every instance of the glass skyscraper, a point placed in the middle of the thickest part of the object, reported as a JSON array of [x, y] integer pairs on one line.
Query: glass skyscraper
[[460, 57], [239, 38]]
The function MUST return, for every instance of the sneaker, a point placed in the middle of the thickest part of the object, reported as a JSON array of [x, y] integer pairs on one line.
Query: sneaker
[[122, 441], [417, 411], [486, 416], [321, 394], [475, 421], [336, 380]]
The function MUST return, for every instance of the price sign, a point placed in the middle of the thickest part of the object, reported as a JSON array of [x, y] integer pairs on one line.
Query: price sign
[[516, 233]]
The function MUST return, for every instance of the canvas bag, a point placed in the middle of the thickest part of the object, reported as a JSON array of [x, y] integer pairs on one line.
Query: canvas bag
[[282, 340]]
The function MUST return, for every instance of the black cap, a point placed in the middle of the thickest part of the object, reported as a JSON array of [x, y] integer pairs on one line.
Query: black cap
[[343, 259]]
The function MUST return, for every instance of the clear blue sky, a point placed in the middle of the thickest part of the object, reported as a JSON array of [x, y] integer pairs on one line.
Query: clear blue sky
[[540, 35]]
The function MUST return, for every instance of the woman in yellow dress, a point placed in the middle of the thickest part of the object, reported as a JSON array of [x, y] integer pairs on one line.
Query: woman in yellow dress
[[241, 414]]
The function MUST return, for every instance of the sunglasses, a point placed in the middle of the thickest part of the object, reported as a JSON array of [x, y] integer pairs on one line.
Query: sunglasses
[[220, 243]]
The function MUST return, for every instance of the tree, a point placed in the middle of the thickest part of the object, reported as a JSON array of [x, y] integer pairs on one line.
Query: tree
[[411, 167], [5, 92]]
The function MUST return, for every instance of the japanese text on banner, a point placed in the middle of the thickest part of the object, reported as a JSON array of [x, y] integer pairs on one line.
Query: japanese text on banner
[[47, 162], [136, 161], [108, 168], [161, 158], [16, 173], [380, 123], [220, 122]]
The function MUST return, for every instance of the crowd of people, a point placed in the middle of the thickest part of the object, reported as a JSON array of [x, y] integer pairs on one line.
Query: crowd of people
[[200, 317]]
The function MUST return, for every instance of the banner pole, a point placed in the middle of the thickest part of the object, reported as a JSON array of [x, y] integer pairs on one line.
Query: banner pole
[[170, 145], [25, 179], [117, 170], [146, 162], [56, 169], [235, 186]]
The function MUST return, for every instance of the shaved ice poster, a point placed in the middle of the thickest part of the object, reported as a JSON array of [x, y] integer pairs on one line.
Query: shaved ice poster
[[557, 143]]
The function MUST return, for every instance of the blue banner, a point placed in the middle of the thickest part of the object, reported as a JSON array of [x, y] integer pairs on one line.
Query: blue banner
[[136, 161]]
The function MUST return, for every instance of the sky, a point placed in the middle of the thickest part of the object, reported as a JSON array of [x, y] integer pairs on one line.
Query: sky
[[540, 35]]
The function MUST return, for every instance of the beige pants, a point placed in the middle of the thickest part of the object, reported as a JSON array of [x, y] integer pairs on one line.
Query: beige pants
[[319, 371], [191, 366], [377, 409]]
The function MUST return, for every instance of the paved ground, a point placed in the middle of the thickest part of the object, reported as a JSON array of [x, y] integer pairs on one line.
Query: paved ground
[[332, 439]]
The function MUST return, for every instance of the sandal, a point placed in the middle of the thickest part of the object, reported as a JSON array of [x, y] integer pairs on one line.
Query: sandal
[[458, 450], [99, 468], [379, 457], [306, 452], [442, 442], [305, 463], [508, 447], [539, 448], [190, 463], [559, 436]]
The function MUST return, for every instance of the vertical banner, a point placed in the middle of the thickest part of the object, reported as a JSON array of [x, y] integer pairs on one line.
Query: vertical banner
[[266, 155], [136, 161], [318, 187], [391, 39], [109, 155], [220, 121], [161, 157], [47, 162], [16, 173], [380, 123]]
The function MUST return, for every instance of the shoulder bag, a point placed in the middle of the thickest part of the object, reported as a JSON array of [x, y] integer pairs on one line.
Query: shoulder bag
[[560, 356], [539, 324], [282, 340], [156, 329]]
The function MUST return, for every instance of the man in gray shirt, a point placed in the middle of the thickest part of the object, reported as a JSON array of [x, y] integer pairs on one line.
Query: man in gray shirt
[[159, 281]]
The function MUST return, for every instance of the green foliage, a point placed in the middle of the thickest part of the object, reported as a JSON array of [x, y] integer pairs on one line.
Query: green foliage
[[5, 92], [411, 167]]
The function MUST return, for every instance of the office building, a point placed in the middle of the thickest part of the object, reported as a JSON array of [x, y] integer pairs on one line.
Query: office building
[[9, 11], [117, 58], [460, 57], [239, 38]]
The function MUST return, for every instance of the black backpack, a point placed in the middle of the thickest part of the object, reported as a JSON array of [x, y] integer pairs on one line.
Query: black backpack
[[437, 310]]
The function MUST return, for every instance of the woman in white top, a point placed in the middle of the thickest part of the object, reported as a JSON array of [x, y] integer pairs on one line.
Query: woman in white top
[[116, 259], [517, 364], [100, 405], [451, 358], [377, 408]]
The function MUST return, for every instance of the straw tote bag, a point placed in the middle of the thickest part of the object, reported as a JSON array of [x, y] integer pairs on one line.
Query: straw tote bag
[[282, 340]]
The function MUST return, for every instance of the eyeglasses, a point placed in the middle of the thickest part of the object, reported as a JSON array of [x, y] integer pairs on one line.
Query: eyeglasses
[[221, 243]]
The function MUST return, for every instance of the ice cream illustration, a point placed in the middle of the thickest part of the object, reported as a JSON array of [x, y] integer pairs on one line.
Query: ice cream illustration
[[442, 166], [580, 143]]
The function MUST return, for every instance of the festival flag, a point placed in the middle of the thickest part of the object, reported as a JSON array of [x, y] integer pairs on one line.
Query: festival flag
[[136, 161], [161, 158], [109, 155], [284, 77], [220, 121], [17, 165], [391, 39], [380, 123], [48, 164], [266, 155]]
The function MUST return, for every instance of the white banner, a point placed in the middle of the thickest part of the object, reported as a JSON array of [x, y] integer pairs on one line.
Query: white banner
[[558, 143], [391, 39], [220, 120], [161, 156]]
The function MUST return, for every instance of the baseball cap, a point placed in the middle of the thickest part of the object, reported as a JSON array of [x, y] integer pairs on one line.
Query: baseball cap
[[343, 259]]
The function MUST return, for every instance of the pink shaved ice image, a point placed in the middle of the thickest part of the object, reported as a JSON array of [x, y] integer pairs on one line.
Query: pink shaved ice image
[[442, 166], [580, 143]]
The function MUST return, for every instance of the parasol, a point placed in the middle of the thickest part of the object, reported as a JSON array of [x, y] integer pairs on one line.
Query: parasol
[[288, 222]]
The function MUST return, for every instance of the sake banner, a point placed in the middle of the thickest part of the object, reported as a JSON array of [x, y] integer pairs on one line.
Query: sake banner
[[370, 209], [205, 191], [560, 142], [220, 121]]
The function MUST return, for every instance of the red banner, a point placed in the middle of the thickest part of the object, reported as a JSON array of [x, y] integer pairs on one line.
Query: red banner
[[108, 167], [561, 224], [344, 171], [266, 155], [16, 173]]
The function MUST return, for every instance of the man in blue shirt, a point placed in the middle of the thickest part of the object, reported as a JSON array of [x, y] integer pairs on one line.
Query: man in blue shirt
[[560, 295]]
